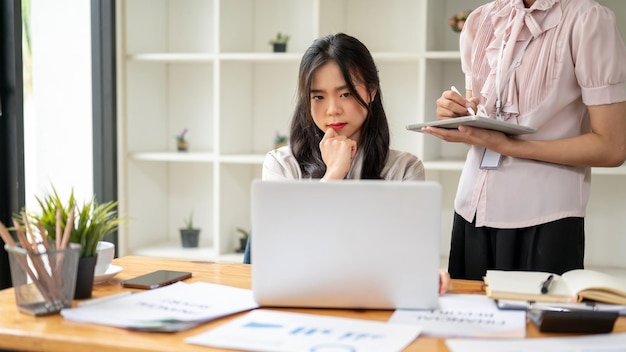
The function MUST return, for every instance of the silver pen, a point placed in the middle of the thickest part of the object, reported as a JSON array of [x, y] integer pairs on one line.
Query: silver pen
[[469, 110]]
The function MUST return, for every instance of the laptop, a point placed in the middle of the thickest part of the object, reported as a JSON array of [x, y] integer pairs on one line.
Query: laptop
[[352, 244]]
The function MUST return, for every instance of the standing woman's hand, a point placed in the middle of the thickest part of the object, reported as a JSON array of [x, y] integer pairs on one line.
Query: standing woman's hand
[[337, 153], [452, 104]]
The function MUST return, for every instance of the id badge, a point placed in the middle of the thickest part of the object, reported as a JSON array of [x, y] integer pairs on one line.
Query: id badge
[[491, 160]]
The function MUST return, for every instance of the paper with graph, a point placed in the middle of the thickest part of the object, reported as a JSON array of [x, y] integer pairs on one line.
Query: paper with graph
[[265, 330]]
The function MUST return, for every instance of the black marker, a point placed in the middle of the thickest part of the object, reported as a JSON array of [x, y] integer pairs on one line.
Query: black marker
[[545, 286]]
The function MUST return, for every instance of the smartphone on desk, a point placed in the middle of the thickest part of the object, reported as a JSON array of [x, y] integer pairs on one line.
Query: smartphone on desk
[[156, 279]]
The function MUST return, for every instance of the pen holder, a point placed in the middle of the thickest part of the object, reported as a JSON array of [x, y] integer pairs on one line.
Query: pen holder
[[44, 281]]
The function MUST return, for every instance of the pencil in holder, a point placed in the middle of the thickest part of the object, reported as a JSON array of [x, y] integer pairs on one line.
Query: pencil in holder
[[44, 282]]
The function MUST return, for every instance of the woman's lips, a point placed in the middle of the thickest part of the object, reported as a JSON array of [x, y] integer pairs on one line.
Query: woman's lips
[[337, 126]]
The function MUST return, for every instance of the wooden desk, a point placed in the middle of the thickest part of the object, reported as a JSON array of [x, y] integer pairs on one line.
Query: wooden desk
[[53, 333]]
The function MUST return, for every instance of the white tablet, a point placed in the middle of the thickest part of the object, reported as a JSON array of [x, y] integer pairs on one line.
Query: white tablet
[[475, 121]]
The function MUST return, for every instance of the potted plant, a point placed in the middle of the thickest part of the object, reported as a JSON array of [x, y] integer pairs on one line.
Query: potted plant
[[243, 239], [181, 141], [280, 140], [93, 221], [457, 21], [279, 43], [189, 235]]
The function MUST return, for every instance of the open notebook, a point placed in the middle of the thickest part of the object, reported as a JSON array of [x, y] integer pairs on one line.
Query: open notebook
[[346, 244]]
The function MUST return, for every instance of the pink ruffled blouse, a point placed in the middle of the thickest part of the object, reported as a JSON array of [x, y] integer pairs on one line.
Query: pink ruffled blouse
[[575, 58]]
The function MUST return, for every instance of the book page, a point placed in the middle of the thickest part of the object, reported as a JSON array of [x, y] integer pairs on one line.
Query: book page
[[597, 285], [526, 285]]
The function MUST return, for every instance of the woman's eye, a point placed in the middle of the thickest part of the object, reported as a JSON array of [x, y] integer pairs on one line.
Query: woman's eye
[[317, 97], [345, 95]]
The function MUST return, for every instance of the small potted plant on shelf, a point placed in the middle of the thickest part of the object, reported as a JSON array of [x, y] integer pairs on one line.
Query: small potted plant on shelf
[[92, 222], [279, 43], [181, 141], [457, 21], [189, 235], [243, 239], [279, 140]]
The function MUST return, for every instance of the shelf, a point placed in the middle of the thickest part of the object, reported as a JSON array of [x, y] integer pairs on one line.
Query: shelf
[[243, 158], [276, 57], [173, 57], [173, 249], [261, 57], [257, 159], [395, 57], [198, 157], [443, 55], [173, 156], [444, 165]]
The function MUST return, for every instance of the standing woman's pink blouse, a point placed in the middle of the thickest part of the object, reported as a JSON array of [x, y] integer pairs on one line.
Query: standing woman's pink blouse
[[576, 57]]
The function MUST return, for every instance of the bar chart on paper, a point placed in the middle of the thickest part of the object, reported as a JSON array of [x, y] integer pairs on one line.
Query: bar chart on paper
[[262, 330]]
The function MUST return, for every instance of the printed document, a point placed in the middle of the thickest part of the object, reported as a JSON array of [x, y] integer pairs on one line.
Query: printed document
[[266, 330], [171, 308], [465, 315]]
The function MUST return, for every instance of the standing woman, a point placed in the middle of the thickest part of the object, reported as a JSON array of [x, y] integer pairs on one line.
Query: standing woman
[[558, 66]]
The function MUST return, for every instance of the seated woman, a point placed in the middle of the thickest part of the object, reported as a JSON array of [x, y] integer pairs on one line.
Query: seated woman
[[339, 128]]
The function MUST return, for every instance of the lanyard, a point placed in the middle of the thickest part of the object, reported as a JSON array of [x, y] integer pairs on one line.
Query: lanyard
[[501, 83]]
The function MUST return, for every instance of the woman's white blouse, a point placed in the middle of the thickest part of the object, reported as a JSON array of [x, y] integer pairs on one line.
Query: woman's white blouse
[[280, 164]]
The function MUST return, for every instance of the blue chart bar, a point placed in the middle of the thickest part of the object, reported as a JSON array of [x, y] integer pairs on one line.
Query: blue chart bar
[[297, 331], [360, 336], [256, 325], [310, 331]]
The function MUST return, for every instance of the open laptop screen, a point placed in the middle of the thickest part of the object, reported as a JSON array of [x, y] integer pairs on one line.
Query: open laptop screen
[[348, 244]]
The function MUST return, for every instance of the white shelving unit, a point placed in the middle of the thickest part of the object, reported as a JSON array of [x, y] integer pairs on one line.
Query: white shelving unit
[[206, 65]]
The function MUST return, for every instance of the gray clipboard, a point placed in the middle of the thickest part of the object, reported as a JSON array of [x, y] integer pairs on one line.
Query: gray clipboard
[[475, 121]]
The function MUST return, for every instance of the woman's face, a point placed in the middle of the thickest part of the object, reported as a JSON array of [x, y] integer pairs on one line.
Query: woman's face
[[332, 104]]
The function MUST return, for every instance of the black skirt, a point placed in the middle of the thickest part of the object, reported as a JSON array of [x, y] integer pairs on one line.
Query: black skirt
[[554, 247]]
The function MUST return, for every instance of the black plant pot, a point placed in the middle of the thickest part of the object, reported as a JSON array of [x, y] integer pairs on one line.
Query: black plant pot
[[189, 238], [243, 242], [280, 47], [84, 277]]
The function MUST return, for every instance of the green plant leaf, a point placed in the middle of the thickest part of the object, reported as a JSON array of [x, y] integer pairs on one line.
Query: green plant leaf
[[244, 233], [92, 222], [189, 221]]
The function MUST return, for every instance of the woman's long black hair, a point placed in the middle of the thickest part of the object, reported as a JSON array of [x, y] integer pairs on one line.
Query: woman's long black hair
[[355, 61]]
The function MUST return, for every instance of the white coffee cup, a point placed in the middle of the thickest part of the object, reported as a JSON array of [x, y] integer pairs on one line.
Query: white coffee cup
[[105, 251]]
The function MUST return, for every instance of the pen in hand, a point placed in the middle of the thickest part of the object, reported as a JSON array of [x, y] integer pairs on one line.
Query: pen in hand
[[545, 286], [469, 110]]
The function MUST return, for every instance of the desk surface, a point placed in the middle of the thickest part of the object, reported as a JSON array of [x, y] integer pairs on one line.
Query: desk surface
[[53, 333]]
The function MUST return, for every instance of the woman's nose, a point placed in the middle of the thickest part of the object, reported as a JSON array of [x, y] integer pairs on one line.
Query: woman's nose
[[334, 107]]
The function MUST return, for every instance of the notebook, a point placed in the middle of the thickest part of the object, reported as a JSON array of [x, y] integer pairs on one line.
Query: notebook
[[367, 244]]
